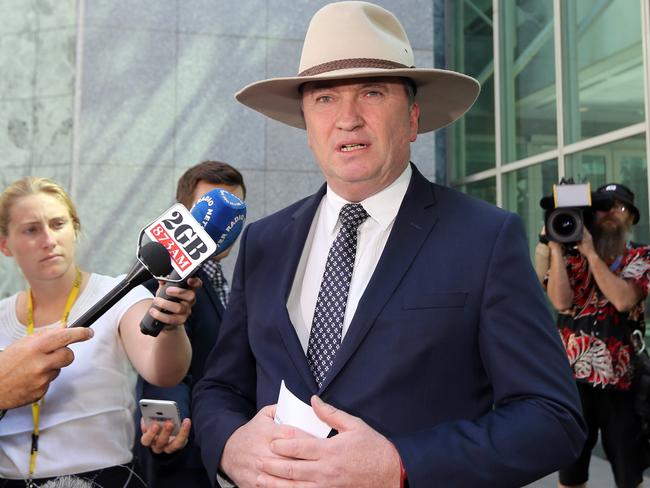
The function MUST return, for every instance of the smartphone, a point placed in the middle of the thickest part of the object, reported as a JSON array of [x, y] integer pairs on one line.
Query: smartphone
[[160, 411]]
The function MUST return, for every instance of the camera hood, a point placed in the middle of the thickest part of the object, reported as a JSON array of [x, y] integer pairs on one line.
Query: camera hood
[[599, 201]]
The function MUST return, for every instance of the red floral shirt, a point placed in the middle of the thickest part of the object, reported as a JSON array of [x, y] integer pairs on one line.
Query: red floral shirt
[[596, 336]]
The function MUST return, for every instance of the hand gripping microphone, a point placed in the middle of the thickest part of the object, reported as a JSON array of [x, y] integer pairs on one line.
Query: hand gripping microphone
[[221, 214], [153, 260]]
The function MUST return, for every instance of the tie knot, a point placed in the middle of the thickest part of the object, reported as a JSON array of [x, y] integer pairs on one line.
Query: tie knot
[[352, 215]]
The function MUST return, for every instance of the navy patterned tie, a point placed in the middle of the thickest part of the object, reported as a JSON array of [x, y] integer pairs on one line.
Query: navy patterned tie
[[327, 326]]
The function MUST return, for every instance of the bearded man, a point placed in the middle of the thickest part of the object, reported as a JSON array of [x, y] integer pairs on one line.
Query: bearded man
[[599, 290]]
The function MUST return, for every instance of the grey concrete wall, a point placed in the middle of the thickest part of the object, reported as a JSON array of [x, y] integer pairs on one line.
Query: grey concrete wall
[[156, 80], [37, 75]]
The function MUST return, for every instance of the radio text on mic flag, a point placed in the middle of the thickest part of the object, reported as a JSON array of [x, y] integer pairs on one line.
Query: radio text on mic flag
[[184, 238], [219, 214]]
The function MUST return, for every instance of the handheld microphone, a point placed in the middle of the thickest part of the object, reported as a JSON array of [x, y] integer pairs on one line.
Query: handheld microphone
[[221, 214], [154, 260]]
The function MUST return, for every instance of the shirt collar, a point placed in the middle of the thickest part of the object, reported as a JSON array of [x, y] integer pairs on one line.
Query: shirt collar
[[382, 207]]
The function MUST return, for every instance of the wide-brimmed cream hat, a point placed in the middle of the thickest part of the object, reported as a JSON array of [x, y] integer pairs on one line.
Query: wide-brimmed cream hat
[[358, 40]]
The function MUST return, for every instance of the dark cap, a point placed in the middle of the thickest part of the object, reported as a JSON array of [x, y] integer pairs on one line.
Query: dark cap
[[623, 194]]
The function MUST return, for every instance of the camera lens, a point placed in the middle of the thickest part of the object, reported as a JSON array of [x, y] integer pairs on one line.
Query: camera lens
[[564, 224]]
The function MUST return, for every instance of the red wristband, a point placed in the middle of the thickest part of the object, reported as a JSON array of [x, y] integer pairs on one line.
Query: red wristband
[[403, 479]]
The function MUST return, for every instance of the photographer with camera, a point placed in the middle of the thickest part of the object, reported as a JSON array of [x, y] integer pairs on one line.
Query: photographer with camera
[[599, 288]]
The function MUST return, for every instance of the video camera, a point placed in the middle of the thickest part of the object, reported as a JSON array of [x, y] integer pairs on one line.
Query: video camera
[[569, 210]]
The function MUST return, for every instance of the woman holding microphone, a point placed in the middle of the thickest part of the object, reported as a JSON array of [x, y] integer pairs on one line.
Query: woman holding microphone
[[83, 425]]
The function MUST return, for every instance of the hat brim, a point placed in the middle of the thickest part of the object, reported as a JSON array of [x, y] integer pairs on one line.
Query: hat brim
[[443, 96]]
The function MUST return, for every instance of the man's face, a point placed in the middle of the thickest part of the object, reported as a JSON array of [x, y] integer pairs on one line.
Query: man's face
[[611, 230], [616, 218], [360, 132], [203, 187]]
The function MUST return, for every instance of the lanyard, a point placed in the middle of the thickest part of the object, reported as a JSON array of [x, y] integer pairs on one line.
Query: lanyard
[[36, 406], [616, 263], [619, 259]]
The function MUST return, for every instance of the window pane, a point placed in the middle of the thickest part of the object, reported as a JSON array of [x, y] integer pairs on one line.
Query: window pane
[[603, 67], [473, 141], [528, 67], [620, 162], [484, 189], [522, 191]]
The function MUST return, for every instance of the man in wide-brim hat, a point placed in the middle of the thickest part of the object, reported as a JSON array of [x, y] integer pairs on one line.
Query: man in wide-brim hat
[[405, 312]]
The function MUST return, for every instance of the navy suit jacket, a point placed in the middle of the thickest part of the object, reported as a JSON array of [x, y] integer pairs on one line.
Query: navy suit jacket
[[451, 354], [183, 468]]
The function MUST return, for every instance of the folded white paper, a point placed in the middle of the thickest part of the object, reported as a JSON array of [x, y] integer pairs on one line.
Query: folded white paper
[[296, 413]]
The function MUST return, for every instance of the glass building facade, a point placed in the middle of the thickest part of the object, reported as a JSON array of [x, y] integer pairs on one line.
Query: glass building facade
[[116, 99], [566, 89]]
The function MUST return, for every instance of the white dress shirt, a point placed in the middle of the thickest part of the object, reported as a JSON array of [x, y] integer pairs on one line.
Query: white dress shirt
[[382, 209]]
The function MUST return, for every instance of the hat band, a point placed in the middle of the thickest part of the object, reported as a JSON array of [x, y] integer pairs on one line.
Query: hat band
[[352, 63]]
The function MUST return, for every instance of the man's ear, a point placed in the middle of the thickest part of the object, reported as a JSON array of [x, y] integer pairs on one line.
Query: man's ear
[[414, 118], [4, 248]]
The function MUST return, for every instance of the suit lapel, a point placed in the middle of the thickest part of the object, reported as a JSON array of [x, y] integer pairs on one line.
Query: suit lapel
[[414, 222], [291, 243]]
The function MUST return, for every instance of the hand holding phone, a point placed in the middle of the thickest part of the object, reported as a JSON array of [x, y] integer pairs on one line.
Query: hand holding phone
[[160, 411]]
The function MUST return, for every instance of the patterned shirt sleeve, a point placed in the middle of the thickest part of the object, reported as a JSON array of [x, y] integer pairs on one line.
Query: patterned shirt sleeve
[[638, 269]]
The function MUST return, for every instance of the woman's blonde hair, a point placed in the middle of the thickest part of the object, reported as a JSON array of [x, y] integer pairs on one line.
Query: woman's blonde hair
[[31, 185]]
